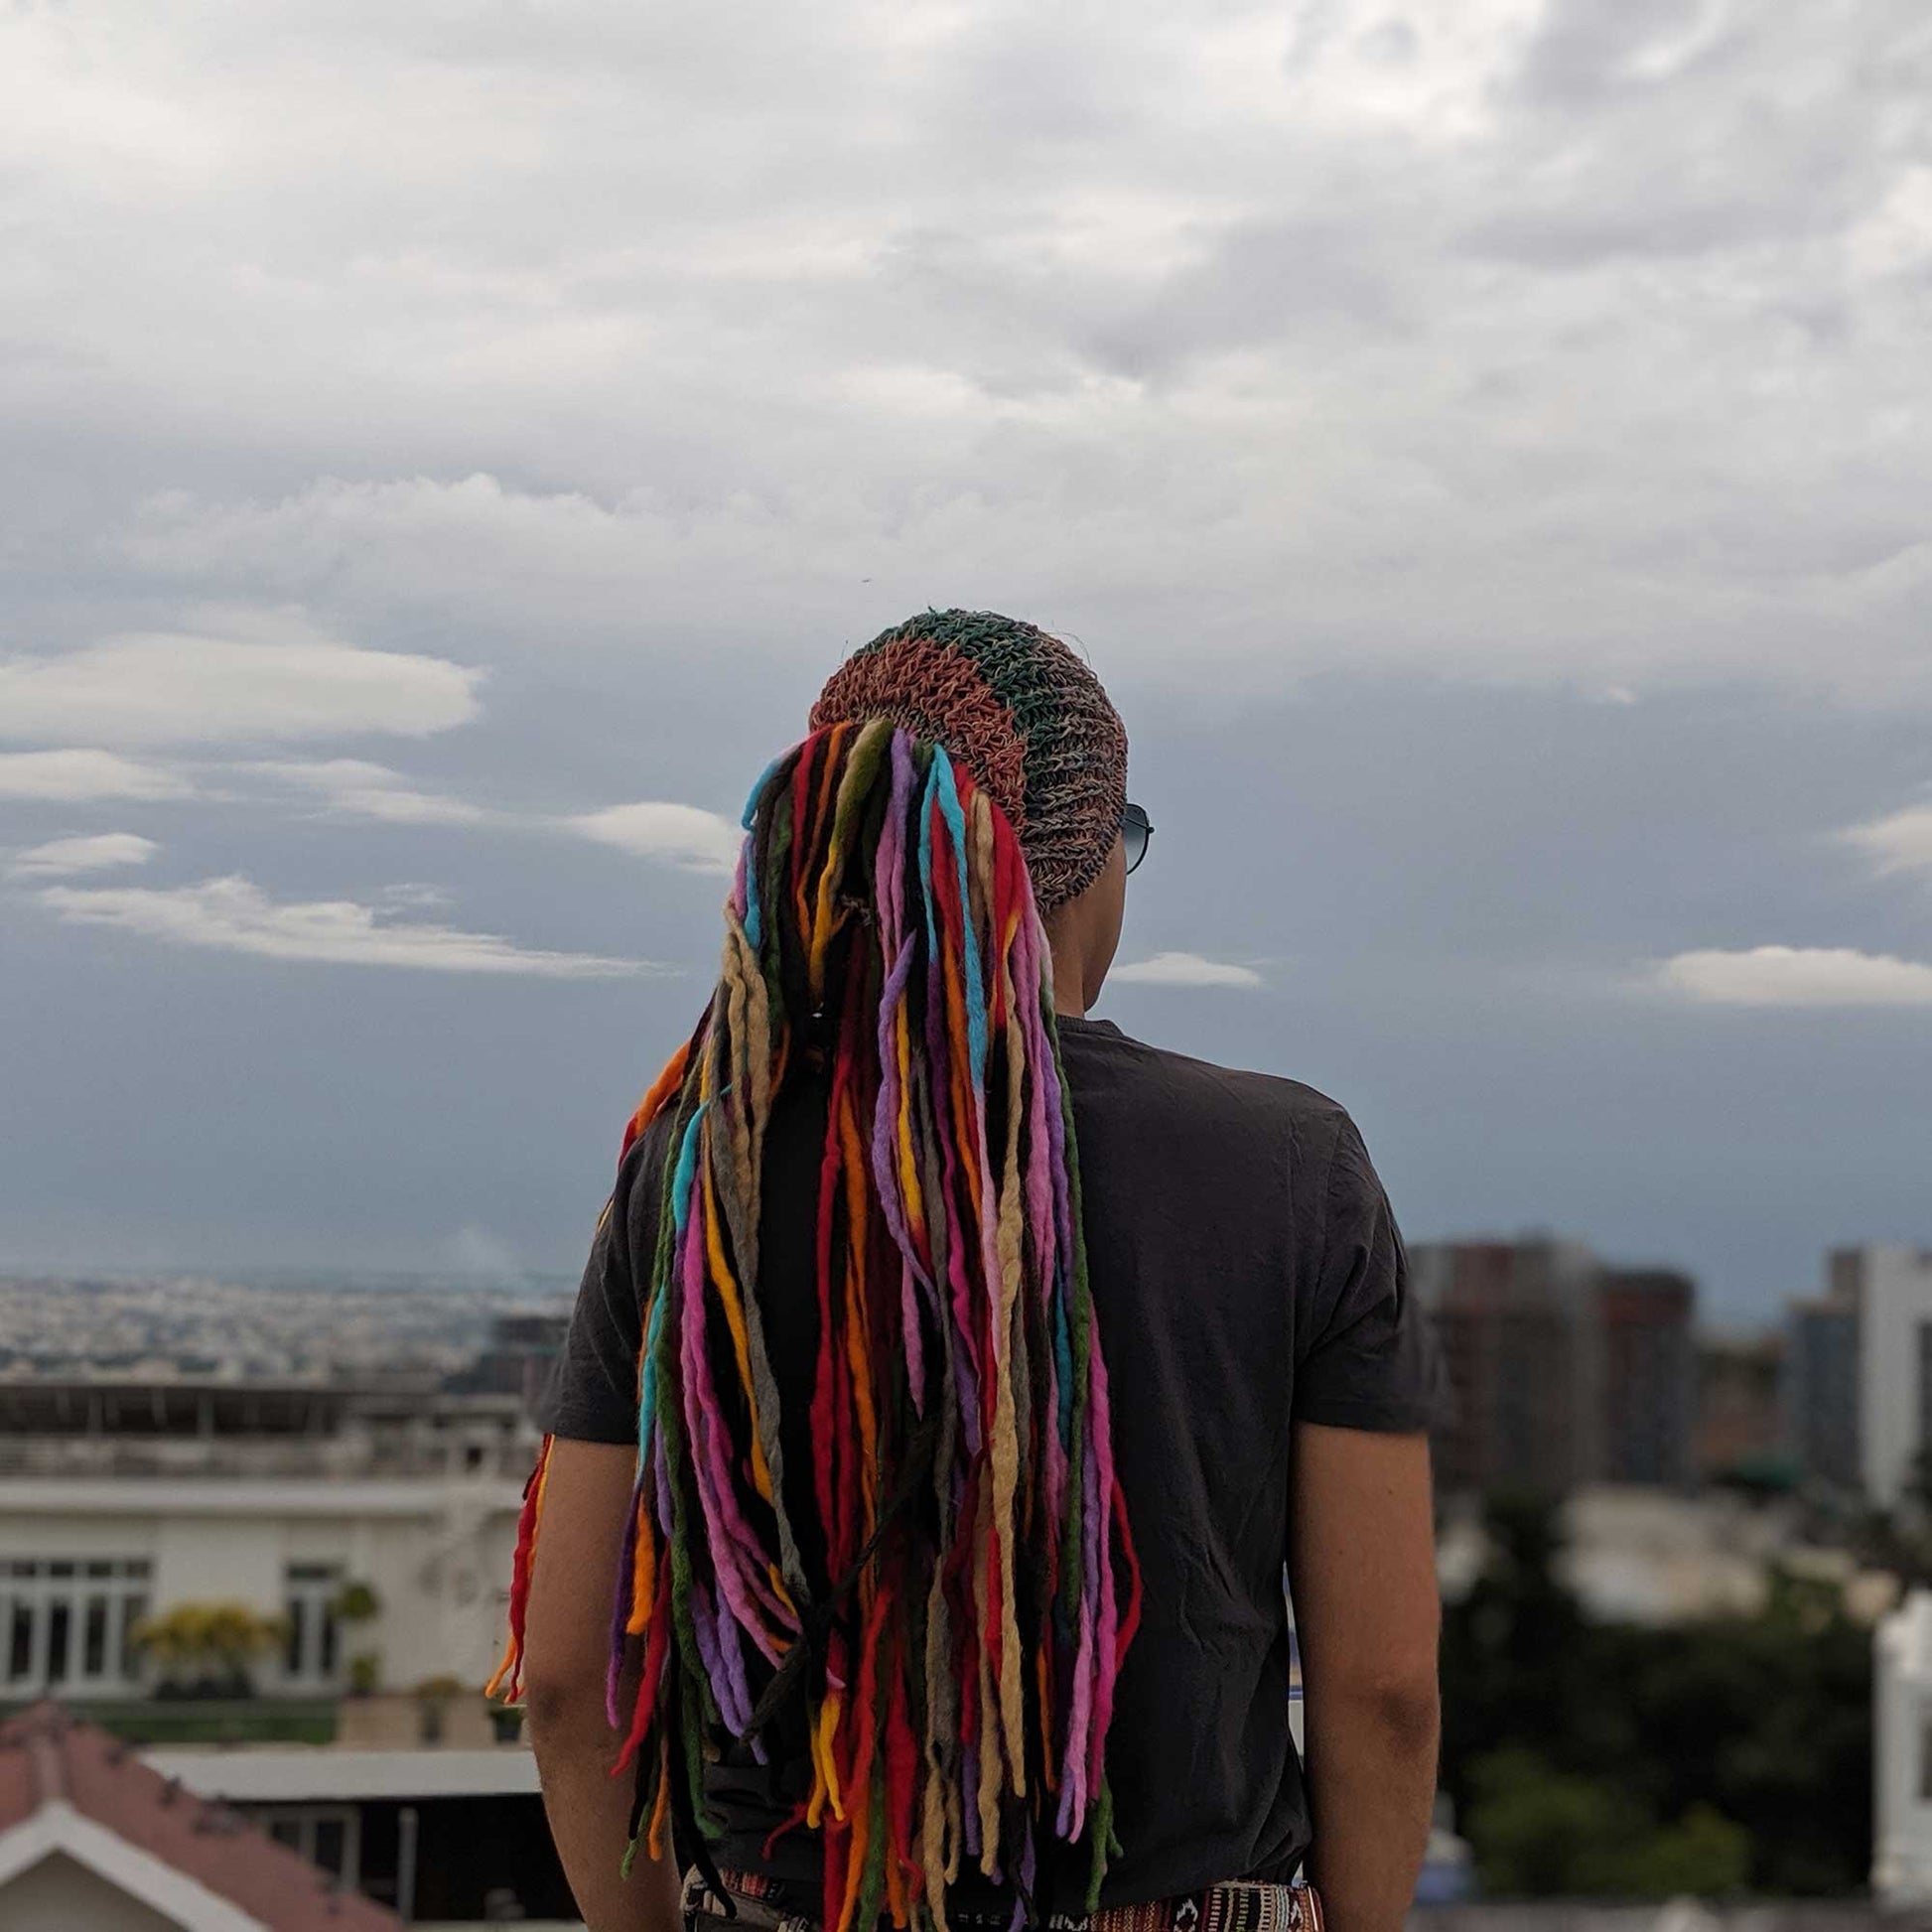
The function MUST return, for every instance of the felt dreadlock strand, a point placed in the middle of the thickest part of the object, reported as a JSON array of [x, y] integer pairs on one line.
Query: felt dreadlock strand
[[947, 1629]]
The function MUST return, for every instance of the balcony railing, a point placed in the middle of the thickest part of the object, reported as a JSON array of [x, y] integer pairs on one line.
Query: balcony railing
[[344, 1457]]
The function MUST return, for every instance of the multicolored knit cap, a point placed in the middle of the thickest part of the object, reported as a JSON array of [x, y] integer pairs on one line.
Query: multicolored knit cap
[[1020, 712]]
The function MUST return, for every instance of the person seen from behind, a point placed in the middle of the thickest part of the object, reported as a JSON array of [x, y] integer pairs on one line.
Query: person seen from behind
[[951, 1380]]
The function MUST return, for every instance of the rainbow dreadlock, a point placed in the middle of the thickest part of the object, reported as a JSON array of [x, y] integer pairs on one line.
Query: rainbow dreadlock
[[953, 1620]]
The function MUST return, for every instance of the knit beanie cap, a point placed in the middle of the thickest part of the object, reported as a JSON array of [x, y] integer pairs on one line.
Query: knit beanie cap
[[1024, 714]]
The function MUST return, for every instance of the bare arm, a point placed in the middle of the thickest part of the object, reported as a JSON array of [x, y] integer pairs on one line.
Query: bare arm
[[1367, 1611], [567, 1634]]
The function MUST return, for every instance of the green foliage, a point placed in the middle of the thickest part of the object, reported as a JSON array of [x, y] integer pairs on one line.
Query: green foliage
[[207, 1648], [1729, 1753], [1541, 1833], [1702, 1854], [365, 1673], [356, 1602], [215, 1720]]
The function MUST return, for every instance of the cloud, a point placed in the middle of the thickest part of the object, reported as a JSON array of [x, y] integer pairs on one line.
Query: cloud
[[1900, 842], [79, 775], [232, 915], [1185, 969], [699, 841], [99, 853], [357, 789], [177, 687], [1487, 338], [1799, 976]]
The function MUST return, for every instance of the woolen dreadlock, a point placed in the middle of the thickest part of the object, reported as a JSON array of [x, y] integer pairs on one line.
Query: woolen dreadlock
[[954, 1620]]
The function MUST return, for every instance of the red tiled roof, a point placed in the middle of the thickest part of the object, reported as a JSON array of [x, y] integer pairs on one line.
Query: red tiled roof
[[48, 1755]]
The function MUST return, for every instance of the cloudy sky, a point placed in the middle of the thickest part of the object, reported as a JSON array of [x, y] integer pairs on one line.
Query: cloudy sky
[[1482, 442]]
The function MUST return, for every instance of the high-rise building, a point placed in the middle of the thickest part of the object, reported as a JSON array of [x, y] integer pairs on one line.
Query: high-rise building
[[1649, 1374], [1820, 1396], [1739, 1417], [1562, 1371], [1892, 1291], [1520, 1331]]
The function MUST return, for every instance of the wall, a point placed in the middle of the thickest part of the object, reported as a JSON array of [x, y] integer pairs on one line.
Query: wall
[[1901, 1865], [1895, 1299], [436, 1553], [61, 1896]]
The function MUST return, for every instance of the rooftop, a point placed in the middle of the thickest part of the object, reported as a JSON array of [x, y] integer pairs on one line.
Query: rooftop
[[68, 1789]]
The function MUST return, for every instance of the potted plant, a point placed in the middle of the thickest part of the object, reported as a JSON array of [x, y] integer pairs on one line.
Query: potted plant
[[355, 1603], [434, 1696], [206, 1650]]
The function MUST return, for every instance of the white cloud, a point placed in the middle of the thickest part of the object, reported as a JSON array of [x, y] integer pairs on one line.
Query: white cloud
[[102, 852], [177, 687], [1799, 976], [77, 776], [1489, 337], [234, 915], [1185, 969], [1900, 842], [357, 789], [699, 841]]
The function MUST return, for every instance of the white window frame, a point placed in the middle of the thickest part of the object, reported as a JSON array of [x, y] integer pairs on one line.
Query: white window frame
[[118, 1585], [309, 1593], [306, 1821]]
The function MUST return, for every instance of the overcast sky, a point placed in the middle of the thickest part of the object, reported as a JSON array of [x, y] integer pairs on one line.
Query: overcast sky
[[1483, 443]]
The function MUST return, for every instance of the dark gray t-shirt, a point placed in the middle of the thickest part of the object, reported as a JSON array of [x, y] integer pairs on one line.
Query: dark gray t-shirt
[[1247, 1275]]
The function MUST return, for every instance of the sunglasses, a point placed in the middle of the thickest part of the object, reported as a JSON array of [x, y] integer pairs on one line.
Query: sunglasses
[[1136, 828]]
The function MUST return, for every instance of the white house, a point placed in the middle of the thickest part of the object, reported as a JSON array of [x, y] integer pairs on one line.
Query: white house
[[83, 1560], [120, 1504], [452, 1835], [91, 1840]]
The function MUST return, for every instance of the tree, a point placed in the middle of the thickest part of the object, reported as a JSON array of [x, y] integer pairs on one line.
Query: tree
[[1732, 1750]]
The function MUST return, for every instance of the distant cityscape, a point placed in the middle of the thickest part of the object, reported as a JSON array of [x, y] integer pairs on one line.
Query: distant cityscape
[[170, 1325], [1567, 1371], [258, 1534]]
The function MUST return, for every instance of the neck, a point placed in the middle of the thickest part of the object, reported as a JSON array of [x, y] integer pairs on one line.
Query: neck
[[1070, 977]]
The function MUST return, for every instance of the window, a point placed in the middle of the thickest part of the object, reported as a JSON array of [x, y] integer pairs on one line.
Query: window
[[68, 1624], [312, 1655], [329, 1835]]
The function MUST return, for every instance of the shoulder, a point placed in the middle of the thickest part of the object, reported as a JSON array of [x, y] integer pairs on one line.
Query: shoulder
[[640, 1183], [1104, 1061]]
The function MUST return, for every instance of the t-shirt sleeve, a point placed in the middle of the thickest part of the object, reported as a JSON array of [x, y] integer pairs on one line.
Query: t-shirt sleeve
[[592, 1395], [1370, 1360]]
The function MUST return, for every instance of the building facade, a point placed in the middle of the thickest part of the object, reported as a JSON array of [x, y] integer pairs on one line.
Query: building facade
[[452, 1836], [1649, 1375], [368, 1536], [1739, 1410], [1821, 1391], [91, 1840], [1522, 1344], [1894, 1298], [1902, 1852]]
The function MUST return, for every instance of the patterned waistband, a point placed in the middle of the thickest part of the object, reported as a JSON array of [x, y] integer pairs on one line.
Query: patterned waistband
[[769, 1905]]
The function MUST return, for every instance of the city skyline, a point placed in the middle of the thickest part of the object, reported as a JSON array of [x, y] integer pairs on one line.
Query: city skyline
[[1480, 446]]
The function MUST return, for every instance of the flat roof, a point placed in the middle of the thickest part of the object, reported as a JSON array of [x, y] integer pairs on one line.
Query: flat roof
[[325, 1773], [402, 1497]]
